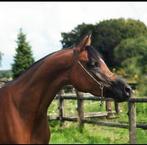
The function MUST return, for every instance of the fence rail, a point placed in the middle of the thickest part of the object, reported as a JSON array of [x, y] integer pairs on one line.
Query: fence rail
[[138, 100], [92, 98]]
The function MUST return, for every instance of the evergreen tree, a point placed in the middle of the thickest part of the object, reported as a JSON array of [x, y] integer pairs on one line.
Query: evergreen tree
[[23, 58]]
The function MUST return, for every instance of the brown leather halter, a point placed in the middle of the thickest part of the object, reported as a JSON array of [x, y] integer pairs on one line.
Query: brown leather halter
[[75, 54]]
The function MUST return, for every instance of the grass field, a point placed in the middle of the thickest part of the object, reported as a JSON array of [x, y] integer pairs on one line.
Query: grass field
[[93, 134]]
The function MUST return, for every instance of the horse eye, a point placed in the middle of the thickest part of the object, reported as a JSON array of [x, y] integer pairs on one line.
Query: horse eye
[[96, 64], [93, 64]]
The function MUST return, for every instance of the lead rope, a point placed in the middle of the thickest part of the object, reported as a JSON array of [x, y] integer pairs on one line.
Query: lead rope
[[101, 85]]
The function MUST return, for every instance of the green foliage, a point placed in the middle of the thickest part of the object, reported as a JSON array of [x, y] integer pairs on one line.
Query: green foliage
[[106, 35], [132, 49], [131, 55], [141, 89], [76, 34], [23, 58], [5, 74]]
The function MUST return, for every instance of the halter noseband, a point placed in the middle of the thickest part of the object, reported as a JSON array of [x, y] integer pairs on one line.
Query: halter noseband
[[91, 76]]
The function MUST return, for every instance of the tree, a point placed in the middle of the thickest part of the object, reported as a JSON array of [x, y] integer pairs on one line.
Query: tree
[[76, 34], [106, 35], [131, 54], [23, 58]]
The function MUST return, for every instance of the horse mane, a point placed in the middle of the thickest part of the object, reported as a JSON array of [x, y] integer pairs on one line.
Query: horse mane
[[93, 52]]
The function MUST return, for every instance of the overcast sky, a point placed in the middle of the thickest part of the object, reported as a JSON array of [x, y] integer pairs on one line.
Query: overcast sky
[[43, 22]]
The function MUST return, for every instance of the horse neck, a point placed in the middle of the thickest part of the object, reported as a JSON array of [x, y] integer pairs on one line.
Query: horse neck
[[39, 85]]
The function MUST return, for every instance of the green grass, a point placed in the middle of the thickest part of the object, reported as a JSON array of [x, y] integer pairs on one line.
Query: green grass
[[93, 134], [141, 136]]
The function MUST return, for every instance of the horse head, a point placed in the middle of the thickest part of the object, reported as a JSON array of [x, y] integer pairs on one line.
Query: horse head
[[89, 73]]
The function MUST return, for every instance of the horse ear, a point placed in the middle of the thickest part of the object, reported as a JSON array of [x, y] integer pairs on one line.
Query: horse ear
[[86, 41]]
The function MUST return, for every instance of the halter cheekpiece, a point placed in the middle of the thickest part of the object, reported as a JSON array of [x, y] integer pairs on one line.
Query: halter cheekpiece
[[90, 75]]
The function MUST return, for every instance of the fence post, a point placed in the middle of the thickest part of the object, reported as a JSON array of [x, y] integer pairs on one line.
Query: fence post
[[61, 107], [117, 107], [80, 109], [109, 109], [132, 122]]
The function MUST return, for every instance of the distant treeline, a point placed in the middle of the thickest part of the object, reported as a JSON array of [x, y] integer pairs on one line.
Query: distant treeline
[[107, 35], [5, 74]]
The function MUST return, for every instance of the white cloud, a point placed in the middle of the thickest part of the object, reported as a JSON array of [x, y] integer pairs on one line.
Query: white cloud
[[43, 22]]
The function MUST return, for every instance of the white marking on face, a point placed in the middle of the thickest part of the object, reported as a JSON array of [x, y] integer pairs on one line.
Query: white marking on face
[[102, 60]]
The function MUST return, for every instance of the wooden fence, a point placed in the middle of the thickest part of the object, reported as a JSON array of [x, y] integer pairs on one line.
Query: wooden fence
[[82, 118], [132, 118]]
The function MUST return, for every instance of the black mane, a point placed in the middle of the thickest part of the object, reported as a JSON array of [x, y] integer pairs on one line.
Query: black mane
[[93, 53]]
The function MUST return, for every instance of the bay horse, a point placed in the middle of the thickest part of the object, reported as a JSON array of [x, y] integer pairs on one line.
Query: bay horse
[[25, 100]]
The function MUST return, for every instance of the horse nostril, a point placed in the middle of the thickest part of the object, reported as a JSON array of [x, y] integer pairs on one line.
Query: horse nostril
[[128, 91]]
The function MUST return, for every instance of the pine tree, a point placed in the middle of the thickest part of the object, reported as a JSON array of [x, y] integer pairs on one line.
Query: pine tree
[[24, 57]]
